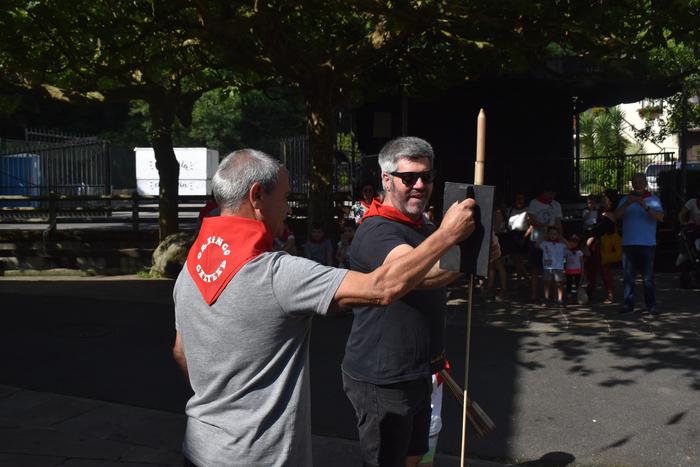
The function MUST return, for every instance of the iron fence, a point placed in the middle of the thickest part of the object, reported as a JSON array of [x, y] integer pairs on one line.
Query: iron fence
[[294, 153], [573, 178], [48, 162], [595, 174]]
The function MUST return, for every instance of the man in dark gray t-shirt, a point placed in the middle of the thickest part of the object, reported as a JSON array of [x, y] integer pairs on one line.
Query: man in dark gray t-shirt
[[243, 317]]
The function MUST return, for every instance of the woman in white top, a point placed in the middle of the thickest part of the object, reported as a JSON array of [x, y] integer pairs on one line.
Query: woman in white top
[[519, 232], [690, 212]]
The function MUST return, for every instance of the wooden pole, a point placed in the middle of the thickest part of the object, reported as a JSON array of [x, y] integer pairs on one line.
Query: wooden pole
[[478, 180], [480, 148]]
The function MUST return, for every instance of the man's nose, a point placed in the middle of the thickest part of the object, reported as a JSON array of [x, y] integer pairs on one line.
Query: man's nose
[[420, 184]]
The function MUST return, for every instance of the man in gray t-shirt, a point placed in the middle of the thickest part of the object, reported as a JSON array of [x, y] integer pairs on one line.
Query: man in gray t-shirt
[[243, 317]]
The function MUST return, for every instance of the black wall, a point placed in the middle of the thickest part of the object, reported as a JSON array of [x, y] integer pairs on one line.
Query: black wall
[[529, 135]]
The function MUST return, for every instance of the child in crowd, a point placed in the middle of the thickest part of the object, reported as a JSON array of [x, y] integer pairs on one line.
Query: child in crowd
[[573, 257], [553, 264], [342, 255], [319, 248], [286, 241], [590, 212]]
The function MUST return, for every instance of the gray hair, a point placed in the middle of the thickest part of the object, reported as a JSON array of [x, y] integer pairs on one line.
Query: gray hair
[[405, 147], [239, 171]]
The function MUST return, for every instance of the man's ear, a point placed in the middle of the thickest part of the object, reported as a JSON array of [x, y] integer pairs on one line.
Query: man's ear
[[255, 194], [386, 182]]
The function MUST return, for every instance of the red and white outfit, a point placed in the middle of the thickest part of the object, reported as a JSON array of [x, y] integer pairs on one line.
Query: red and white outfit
[[573, 268], [573, 258]]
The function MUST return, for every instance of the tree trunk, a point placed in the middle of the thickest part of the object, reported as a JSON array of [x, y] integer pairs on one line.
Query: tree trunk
[[162, 116], [320, 119]]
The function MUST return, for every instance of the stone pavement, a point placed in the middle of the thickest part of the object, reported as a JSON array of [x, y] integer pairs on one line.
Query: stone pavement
[[584, 384], [39, 429]]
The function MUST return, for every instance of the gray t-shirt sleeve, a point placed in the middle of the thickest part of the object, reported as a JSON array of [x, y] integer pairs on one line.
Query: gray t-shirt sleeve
[[302, 286]]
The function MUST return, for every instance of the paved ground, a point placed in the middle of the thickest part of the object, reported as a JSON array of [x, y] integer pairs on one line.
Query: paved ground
[[88, 380]]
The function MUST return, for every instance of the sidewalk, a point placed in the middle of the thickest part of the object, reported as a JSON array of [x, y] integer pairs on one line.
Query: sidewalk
[[39, 429], [584, 383], [42, 429]]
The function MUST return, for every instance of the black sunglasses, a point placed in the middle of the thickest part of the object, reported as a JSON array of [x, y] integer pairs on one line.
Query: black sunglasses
[[410, 178]]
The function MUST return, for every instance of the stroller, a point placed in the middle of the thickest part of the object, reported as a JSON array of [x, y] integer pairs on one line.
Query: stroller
[[688, 260]]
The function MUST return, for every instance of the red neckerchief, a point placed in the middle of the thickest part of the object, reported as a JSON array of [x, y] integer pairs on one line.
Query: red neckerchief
[[439, 377], [554, 241], [390, 212], [544, 200], [223, 246], [644, 195]]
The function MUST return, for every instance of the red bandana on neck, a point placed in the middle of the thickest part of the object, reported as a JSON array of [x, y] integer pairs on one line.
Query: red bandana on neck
[[544, 200], [390, 212], [646, 194], [224, 245]]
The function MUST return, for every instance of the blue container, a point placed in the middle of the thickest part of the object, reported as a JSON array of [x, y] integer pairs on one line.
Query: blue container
[[20, 174]]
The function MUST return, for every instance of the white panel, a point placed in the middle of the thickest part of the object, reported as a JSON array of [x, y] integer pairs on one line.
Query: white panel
[[185, 187], [195, 163]]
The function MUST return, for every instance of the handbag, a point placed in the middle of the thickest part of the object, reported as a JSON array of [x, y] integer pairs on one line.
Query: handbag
[[610, 248]]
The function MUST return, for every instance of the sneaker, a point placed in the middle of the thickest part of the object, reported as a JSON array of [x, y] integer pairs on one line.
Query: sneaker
[[653, 312], [625, 311]]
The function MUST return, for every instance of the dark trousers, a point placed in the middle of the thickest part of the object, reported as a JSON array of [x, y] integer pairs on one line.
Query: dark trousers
[[571, 280], [594, 266], [638, 258], [393, 420]]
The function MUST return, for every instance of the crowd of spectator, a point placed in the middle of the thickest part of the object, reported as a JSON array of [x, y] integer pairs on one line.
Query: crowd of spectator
[[562, 264]]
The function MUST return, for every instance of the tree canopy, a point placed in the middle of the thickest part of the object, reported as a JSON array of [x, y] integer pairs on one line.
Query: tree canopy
[[333, 53]]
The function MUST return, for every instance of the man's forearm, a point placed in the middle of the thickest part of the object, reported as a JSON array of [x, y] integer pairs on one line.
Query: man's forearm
[[179, 356], [393, 279], [437, 278], [656, 215], [409, 270]]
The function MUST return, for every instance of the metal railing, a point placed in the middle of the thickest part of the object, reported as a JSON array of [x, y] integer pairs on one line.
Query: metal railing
[[134, 210], [596, 174], [55, 208], [72, 166]]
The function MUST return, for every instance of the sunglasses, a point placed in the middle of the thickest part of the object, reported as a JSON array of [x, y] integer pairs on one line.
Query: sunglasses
[[410, 178]]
